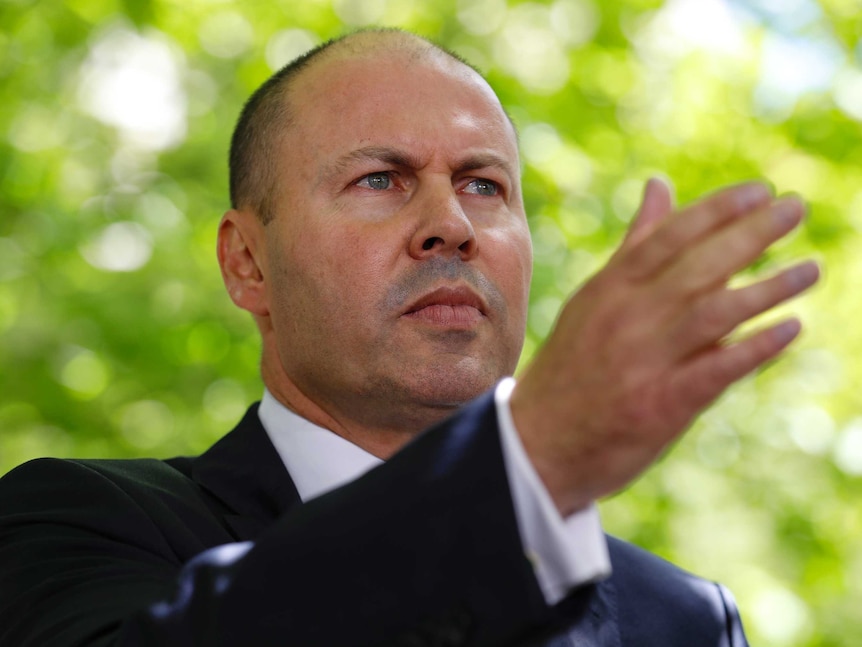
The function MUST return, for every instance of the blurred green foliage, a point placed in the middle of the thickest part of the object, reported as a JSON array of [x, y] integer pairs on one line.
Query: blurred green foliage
[[116, 337]]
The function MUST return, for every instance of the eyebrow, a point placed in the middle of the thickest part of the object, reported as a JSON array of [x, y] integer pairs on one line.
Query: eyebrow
[[398, 157]]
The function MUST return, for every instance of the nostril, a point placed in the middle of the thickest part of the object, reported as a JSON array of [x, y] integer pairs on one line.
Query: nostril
[[430, 242]]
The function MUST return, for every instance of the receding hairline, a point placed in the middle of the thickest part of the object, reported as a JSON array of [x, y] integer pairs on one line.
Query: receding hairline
[[368, 43], [268, 114], [357, 43]]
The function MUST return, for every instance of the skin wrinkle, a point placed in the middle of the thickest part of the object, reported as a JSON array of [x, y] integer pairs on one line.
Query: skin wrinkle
[[395, 157], [424, 277], [269, 114]]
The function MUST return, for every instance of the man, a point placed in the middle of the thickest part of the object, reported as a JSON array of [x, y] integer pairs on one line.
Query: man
[[378, 238]]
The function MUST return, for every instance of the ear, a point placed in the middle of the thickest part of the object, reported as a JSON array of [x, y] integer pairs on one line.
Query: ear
[[240, 256]]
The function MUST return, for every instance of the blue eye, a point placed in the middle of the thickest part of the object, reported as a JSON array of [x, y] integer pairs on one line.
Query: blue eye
[[376, 181], [482, 187]]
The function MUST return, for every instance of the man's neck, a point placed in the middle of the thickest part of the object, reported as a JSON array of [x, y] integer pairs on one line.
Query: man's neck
[[376, 436]]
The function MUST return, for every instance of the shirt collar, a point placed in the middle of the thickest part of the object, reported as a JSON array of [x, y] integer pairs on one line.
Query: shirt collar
[[317, 459]]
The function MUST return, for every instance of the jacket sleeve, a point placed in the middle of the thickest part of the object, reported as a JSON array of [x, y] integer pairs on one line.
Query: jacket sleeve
[[661, 604], [423, 550], [735, 634]]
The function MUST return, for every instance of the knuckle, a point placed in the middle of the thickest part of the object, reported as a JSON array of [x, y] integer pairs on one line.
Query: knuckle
[[674, 236], [712, 317]]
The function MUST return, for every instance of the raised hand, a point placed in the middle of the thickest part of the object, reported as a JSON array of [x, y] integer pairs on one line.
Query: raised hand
[[641, 348]]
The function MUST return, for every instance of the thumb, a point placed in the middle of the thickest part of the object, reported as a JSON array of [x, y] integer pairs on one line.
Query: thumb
[[656, 205]]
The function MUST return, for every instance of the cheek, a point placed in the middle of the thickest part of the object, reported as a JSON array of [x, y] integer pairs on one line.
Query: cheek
[[510, 255], [346, 269]]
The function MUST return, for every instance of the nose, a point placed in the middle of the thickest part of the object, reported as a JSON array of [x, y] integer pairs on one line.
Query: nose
[[443, 228]]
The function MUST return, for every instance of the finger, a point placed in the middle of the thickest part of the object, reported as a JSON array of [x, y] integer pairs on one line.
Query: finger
[[657, 204], [684, 229], [710, 373], [716, 258], [717, 315]]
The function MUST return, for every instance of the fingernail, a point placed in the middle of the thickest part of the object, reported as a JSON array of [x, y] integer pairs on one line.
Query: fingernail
[[786, 331], [787, 212], [753, 194], [803, 276]]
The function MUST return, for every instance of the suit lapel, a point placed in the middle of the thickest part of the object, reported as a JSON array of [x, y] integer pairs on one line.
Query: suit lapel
[[588, 618], [599, 624], [245, 474]]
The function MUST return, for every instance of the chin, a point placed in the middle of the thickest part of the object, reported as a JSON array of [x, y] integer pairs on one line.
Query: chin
[[452, 387], [416, 401]]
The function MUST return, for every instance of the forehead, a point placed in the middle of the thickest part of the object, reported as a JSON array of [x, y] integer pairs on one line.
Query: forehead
[[428, 104]]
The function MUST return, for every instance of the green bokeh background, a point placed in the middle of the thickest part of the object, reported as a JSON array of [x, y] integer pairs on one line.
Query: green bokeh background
[[116, 337]]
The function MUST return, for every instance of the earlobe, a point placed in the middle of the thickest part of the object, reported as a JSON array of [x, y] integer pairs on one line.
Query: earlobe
[[240, 257]]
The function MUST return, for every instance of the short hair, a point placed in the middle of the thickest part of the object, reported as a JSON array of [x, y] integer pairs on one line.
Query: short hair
[[253, 154]]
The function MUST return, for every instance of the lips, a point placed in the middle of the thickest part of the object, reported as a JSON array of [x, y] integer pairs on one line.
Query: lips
[[449, 307]]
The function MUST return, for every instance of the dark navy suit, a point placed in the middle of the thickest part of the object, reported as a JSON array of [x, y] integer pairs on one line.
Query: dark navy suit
[[218, 550]]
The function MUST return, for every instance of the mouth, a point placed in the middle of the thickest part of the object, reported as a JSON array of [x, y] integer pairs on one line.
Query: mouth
[[449, 308]]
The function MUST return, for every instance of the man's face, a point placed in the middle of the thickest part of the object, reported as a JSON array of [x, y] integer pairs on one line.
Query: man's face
[[398, 261]]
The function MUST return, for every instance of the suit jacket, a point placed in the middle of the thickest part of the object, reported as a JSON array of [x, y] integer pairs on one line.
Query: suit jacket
[[217, 550]]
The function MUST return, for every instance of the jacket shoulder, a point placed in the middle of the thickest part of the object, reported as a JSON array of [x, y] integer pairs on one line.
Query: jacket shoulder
[[656, 598], [145, 500], [27, 485]]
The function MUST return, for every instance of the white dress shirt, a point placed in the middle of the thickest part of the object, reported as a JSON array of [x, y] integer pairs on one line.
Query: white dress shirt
[[565, 553]]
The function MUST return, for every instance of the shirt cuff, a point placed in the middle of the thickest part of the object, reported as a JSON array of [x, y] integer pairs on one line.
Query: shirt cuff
[[565, 552]]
